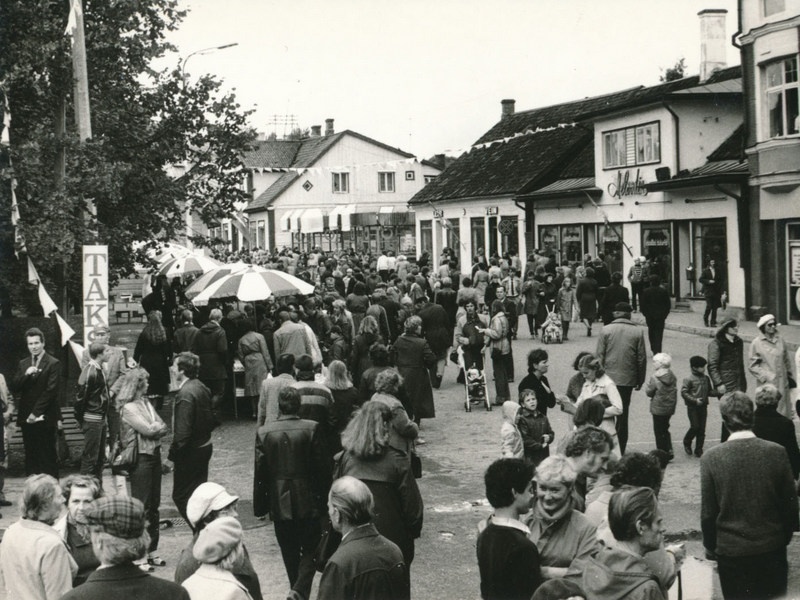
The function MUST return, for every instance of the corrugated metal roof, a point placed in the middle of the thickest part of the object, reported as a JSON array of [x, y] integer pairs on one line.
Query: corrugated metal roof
[[732, 86]]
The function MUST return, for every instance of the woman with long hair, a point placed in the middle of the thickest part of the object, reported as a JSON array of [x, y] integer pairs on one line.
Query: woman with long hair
[[153, 352], [369, 457], [359, 355], [501, 346], [142, 425], [345, 398]]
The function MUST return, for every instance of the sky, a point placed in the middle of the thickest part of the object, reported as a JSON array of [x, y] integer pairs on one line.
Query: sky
[[427, 76]]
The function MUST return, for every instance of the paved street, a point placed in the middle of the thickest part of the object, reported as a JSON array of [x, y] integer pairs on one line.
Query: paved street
[[458, 449]]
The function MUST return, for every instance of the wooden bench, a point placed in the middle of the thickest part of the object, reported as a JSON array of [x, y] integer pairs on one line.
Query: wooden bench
[[72, 433], [129, 309]]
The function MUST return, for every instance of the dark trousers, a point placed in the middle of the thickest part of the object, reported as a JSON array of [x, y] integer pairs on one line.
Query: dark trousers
[[565, 328], [710, 314], [509, 358], [502, 392], [473, 357], [760, 576], [661, 430], [191, 469], [39, 440], [698, 415], [298, 539], [217, 389], [112, 434], [146, 486], [533, 326], [625, 392], [94, 449], [636, 291], [655, 333]]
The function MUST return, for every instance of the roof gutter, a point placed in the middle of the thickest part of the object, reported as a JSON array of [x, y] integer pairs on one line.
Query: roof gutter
[[677, 120]]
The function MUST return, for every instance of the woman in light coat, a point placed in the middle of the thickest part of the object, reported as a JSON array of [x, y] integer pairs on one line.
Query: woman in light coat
[[566, 305], [252, 351], [142, 425], [497, 332], [598, 383], [769, 361], [219, 549]]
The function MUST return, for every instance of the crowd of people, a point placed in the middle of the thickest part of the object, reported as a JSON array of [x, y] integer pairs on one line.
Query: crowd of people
[[339, 382]]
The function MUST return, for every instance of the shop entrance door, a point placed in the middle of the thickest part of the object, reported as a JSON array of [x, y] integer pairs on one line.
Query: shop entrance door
[[793, 275]]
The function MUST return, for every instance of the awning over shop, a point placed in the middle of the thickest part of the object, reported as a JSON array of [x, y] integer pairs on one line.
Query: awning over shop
[[290, 221], [341, 212], [386, 210], [311, 221]]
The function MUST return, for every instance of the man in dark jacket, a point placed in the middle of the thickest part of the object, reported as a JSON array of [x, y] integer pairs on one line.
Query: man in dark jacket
[[292, 477], [508, 561], [366, 565], [91, 410], [713, 286], [438, 332], [185, 334], [749, 507], [656, 305], [614, 294], [35, 385], [211, 346], [772, 426], [194, 421], [621, 351]]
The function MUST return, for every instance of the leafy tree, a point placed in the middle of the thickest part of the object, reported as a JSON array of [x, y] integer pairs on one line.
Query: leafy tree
[[144, 121], [298, 133], [677, 71]]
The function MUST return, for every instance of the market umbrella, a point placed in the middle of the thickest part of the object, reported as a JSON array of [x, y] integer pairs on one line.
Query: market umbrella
[[254, 284], [187, 265], [209, 277]]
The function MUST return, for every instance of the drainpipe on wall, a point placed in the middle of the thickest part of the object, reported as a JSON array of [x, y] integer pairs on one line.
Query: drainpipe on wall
[[677, 120]]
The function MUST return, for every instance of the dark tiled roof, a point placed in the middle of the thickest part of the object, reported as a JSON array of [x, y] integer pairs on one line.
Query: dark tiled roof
[[505, 167], [732, 148], [271, 154], [541, 158]]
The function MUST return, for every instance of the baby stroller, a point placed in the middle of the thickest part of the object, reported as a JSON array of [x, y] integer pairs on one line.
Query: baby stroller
[[475, 384], [552, 333]]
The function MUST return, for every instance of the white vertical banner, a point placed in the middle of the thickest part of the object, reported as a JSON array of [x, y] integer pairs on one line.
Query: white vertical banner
[[95, 289]]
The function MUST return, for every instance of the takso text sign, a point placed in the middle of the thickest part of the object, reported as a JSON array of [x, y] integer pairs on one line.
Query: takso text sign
[[95, 289]]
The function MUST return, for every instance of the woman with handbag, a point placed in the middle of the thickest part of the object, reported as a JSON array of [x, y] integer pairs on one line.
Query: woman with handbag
[[141, 431], [369, 457], [501, 346]]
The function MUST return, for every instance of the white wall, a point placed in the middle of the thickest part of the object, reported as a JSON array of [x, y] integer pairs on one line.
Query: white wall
[[752, 15]]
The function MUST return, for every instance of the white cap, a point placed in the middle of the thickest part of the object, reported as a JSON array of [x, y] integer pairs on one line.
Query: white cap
[[207, 497]]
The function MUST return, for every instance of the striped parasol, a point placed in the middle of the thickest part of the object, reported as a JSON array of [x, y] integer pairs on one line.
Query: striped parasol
[[209, 277], [187, 265], [254, 284]]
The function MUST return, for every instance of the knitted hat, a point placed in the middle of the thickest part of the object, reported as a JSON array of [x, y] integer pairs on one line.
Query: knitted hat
[[217, 540], [206, 497]]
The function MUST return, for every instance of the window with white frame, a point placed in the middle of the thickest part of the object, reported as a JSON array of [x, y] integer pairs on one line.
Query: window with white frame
[[783, 100], [773, 7], [341, 183], [638, 145], [386, 181]]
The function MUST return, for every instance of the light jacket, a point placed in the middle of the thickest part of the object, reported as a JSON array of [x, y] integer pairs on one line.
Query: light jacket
[[622, 352], [510, 437], [138, 420], [662, 389], [211, 582]]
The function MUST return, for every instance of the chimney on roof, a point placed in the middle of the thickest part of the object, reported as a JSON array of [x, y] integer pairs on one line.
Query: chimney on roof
[[328, 127], [508, 108], [440, 161], [316, 131], [713, 41]]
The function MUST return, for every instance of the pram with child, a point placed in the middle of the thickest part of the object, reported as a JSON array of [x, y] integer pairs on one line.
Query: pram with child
[[475, 385], [552, 331]]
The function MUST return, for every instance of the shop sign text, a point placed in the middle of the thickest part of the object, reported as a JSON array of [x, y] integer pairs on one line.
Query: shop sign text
[[625, 185], [491, 211], [95, 289]]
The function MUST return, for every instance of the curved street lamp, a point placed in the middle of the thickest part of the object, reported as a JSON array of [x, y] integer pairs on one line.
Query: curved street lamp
[[203, 51]]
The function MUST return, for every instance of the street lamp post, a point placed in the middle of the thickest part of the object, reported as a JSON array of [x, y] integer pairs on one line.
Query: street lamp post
[[203, 51]]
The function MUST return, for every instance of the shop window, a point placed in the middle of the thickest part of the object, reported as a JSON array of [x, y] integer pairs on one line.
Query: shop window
[[452, 236], [657, 246], [426, 236], [773, 7], [549, 240], [783, 100], [571, 243], [611, 246], [386, 181], [793, 289], [632, 146], [341, 183], [477, 235], [253, 235]]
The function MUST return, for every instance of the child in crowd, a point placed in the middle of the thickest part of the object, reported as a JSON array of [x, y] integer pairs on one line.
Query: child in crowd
[[662, 390], [534, 428], [510, 437], [695, 391]]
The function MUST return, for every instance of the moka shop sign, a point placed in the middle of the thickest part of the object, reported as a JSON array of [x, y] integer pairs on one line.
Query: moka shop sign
[[95, 290], [627, 185]]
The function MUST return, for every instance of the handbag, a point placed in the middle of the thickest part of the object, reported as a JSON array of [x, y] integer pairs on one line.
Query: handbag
[[497, 354], [416, 465], [454, 357], [125, 458]]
